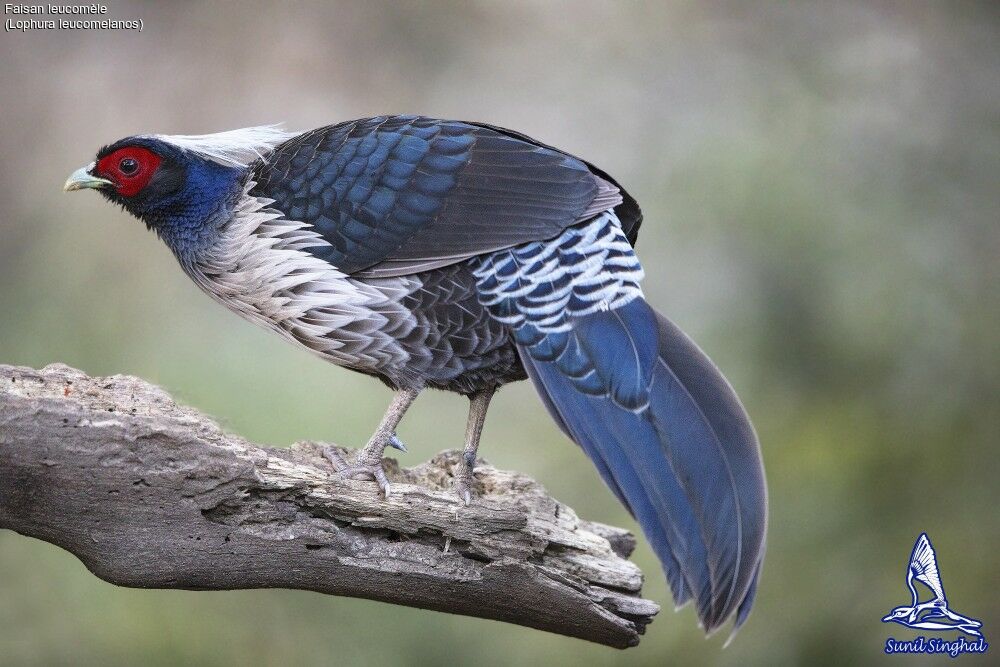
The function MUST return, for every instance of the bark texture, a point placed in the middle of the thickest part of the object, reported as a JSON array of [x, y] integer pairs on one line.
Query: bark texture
[[151, 494]]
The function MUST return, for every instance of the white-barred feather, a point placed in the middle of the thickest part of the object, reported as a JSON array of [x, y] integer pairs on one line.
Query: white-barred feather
[[233, 148], [595, 255], [259, 270]]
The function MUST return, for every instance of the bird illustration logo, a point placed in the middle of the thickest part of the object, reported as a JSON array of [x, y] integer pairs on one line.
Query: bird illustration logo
[[933, 614]]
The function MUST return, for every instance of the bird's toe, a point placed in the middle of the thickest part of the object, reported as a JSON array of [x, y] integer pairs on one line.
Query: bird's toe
[[362, 468], [464, 481]]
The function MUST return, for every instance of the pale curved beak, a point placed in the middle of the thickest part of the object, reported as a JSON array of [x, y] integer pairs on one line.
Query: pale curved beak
[[82, 179]]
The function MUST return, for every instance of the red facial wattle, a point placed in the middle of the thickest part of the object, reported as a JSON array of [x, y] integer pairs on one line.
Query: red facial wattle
[[130, 168]]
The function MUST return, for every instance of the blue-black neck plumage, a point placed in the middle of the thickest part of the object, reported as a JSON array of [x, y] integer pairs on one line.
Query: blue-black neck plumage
[[189, 219]]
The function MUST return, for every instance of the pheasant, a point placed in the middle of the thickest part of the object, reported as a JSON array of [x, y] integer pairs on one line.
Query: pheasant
[[462, 256]]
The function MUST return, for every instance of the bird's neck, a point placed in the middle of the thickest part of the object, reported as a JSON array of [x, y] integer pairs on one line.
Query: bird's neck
[[191, 222]]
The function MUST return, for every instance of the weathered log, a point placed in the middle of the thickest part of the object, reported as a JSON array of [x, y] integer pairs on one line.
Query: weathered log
[[150, 494]]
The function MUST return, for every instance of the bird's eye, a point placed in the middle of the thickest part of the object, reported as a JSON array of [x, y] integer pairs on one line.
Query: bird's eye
[[128, 165]]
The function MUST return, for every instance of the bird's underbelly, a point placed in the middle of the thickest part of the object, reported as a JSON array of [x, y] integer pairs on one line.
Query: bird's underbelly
[[414, 331]]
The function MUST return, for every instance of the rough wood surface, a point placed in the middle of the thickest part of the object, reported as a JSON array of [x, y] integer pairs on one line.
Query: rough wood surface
[[151, 494]]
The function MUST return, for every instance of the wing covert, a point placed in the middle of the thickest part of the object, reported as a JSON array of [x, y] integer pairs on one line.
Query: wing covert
[[398, 194]]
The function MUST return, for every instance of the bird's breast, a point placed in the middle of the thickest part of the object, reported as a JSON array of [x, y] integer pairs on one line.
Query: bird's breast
[[258, 268]]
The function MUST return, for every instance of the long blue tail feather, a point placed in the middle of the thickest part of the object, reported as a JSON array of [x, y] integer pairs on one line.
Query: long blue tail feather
[[670, 438], [611, 463]]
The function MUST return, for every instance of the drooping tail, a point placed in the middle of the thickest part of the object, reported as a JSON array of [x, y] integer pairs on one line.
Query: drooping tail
[[669, 436], [664, 428]]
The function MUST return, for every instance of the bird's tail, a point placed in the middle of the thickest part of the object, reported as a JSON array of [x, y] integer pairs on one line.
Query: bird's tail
[[669, 436]]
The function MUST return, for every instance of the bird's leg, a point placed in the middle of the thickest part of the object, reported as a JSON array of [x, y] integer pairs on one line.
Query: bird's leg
[[369, 459], [479, 403]]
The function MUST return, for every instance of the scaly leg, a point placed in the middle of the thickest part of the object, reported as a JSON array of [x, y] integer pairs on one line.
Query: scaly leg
[[478, 405], [369, 459]]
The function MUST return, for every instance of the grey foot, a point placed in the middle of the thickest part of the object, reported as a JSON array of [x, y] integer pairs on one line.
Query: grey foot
[[364, 468], [464, 477]]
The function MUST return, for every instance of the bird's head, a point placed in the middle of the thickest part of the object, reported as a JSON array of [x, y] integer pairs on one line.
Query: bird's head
[[897, 613], [178, 185]]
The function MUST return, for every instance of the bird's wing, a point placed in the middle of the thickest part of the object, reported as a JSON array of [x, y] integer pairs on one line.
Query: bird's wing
[[399, 194], [628, 212], [923, 565]]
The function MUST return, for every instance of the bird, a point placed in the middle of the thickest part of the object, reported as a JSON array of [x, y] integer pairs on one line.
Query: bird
[[463, 256], [923, 567]]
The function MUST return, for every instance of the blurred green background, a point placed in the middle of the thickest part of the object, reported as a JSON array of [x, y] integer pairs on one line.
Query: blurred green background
[[820, 182]]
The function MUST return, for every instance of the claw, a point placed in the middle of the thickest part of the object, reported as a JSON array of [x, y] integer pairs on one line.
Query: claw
[[370, 471], [381, 480], [463, 492], [463, 485]]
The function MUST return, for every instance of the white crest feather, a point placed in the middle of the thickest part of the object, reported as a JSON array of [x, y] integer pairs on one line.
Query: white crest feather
[[234, 148]]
